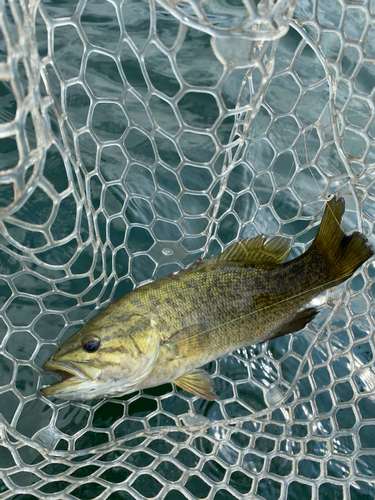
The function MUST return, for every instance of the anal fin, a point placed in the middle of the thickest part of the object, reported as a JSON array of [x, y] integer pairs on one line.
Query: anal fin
[[299, 321], [199, 383]]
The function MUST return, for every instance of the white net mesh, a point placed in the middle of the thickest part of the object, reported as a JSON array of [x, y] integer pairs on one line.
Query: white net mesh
[[134, 136]]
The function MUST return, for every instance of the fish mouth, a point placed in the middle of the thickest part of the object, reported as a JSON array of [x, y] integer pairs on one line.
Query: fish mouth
[[71, 374], [66, 370]]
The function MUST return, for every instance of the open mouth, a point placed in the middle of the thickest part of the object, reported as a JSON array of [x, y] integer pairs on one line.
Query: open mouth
[[67, 372], [64, 377]]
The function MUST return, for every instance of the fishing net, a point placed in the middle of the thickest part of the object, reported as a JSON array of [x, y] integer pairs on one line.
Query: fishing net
[[134, 137]]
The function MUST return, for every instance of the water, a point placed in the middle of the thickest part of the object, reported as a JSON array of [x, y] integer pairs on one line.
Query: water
[[71, 292]]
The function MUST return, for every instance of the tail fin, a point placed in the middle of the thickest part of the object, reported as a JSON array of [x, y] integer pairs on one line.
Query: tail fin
[[343, 253]]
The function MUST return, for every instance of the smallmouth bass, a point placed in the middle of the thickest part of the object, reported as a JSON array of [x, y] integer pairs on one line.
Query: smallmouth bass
[[164, 331]]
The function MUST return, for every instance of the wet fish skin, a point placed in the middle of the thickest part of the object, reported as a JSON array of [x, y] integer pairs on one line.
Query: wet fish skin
[[163, 331]]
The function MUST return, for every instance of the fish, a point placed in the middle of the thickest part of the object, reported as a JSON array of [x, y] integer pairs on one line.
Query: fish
[[166, 330]]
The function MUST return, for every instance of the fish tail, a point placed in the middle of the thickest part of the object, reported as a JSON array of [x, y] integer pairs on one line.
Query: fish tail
[[343, 253]]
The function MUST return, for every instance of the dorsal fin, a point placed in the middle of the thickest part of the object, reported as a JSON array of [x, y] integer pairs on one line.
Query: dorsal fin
[[257, 250], [195, 266]]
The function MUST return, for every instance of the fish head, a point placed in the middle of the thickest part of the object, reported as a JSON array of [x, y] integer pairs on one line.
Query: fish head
[[104, 358]]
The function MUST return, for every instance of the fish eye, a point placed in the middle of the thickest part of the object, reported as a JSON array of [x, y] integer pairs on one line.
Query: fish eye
[[91, 344]]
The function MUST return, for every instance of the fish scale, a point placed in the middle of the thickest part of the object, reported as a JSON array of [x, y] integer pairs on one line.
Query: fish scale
[[164, 331]]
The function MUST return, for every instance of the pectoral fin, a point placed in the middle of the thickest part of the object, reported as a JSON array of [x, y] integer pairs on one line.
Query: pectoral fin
[[299, 321], [186, 336], [199, 383]]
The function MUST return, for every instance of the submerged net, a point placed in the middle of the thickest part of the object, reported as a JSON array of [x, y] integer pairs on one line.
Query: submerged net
[[134, 137]]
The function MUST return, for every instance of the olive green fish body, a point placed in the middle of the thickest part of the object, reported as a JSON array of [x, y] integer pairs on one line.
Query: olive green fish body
[[251, 305], [163, 331]]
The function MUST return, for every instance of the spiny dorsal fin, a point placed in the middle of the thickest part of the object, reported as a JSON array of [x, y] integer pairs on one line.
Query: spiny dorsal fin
[[199, 383], [257, 250], [198, 264]]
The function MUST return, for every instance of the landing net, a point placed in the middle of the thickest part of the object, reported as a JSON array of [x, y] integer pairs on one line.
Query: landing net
[[136, 136]]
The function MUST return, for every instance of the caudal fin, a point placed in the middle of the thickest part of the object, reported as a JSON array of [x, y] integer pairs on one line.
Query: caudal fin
[[343, 253]]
